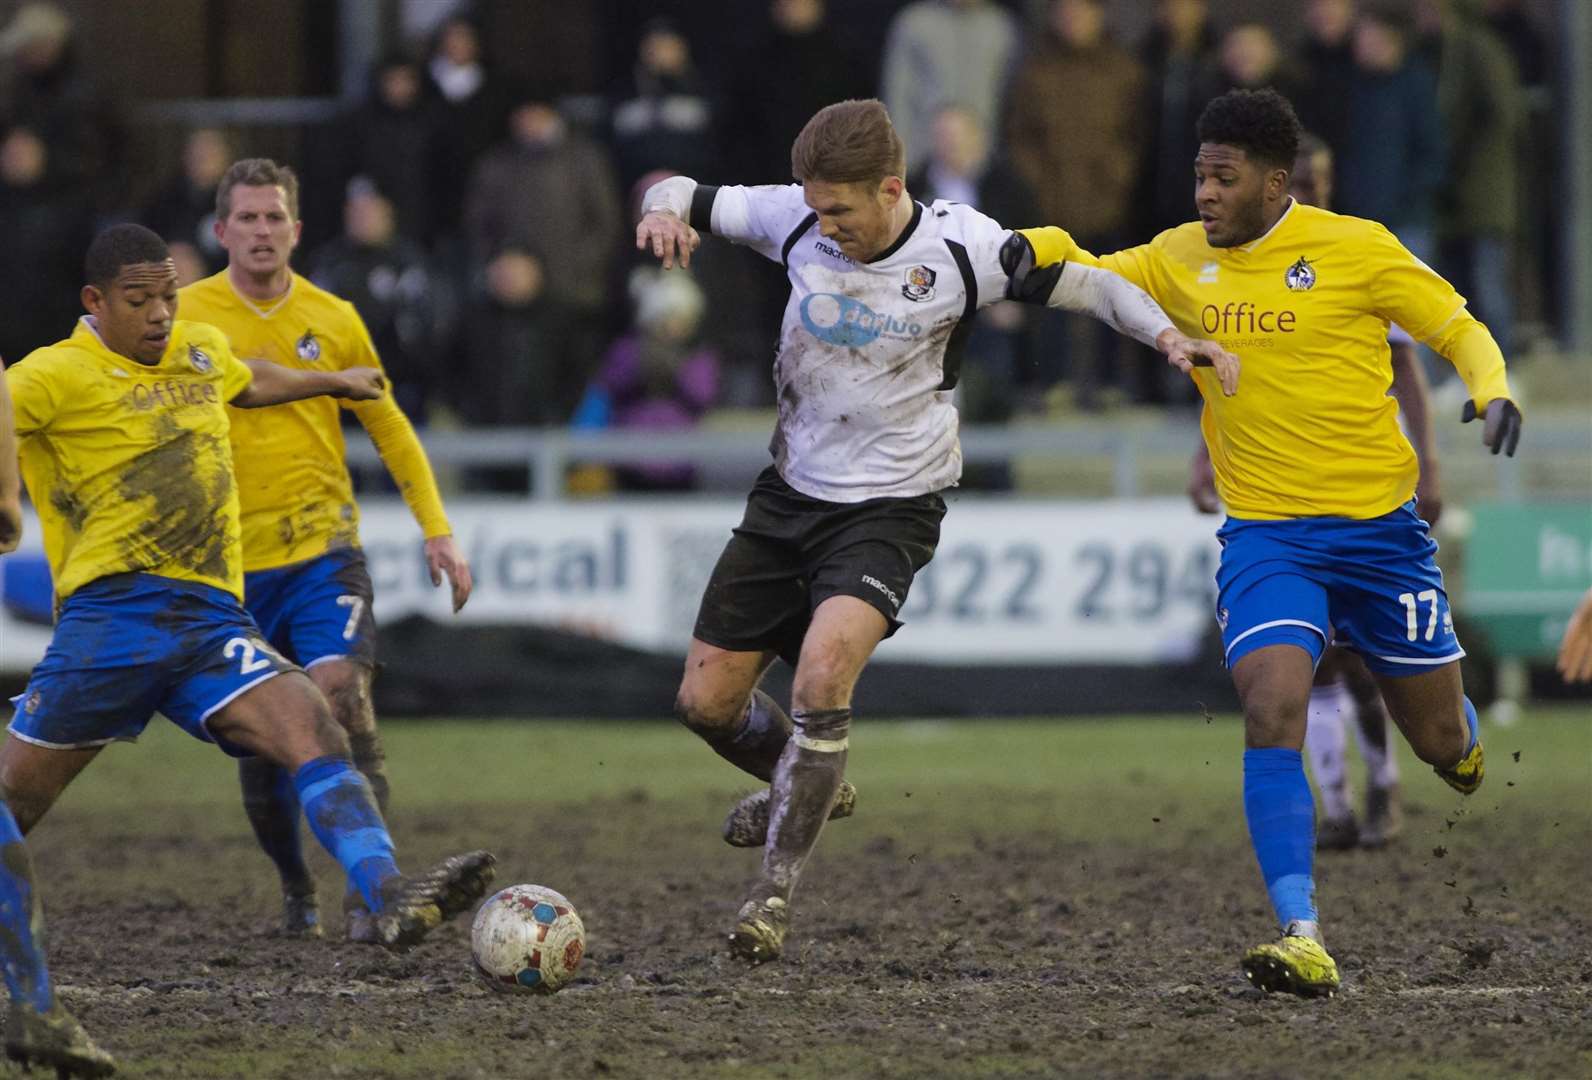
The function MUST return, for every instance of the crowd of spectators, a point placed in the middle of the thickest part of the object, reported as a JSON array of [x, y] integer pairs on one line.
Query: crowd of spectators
[[486, 223]]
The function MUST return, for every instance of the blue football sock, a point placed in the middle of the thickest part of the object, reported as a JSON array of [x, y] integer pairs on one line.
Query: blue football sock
[[1472, 723], [272, 803], [1282, 829], [342, 813], [27, 976]]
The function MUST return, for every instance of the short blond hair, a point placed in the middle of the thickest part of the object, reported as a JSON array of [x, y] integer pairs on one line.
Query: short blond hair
[[848, 142]]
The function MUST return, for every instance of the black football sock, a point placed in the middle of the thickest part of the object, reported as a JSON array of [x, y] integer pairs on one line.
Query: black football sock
[[755, 744], [272, 804]]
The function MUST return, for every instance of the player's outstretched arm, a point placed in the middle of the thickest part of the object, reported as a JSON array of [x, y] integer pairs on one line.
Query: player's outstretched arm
[[665, 226], [1114, 300], [274, 384], [1406, 291], [10, 475]]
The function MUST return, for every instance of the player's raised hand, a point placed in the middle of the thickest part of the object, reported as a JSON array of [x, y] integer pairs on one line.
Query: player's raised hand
[[1502, 428], [1575, 651], [667, 236], [362, 384], [444, 557], [1186, 354]]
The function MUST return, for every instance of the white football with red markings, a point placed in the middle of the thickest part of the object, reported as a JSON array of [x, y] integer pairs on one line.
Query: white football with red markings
[[527, 939]]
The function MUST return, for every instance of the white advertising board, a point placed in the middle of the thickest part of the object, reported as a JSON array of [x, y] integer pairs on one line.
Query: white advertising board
[[1014, 581]]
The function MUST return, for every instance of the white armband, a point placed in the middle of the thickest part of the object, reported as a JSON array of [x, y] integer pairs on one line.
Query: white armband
[[672, 194]]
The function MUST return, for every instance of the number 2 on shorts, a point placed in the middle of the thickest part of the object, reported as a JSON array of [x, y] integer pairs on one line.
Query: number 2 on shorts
[[249, 664], [356, 606], [1411, 624]]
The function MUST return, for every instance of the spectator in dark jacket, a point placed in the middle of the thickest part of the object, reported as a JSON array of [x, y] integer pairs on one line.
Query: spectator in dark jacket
[[1326, 67], [800, 66], [1537, 153], [470, 102], [1177, 55], [546, 198], [664, 119], [1075, 132], [390, 282], [1478, 94], [46, 225], [394, 140], [184, 211], [51, 95], [1392, 160]]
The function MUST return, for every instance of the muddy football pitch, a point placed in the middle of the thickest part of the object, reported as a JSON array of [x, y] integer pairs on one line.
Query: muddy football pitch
[[1013, 899]]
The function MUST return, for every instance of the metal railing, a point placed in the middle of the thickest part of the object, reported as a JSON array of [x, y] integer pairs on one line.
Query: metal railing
[[1555, 461]]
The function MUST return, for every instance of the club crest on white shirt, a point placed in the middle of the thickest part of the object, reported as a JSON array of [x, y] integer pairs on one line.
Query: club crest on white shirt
[[919, 284]]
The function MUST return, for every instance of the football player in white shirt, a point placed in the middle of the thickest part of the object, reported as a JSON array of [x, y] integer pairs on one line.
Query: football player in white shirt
[[883, 293]]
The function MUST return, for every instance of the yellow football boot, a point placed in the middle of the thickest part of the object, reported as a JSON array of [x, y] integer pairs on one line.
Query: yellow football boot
[[760, 928], [1294, 965], [1466, 776]]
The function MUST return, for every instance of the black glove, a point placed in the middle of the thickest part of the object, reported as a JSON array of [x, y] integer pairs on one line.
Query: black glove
[[1023, 283], [1502, 430]]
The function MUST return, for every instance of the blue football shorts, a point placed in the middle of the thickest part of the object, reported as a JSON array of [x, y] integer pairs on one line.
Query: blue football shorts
[[316, 610], [130, 645], [1373, 586]]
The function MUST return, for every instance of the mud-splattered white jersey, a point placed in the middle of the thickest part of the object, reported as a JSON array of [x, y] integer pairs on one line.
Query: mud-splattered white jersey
[[869, 353]]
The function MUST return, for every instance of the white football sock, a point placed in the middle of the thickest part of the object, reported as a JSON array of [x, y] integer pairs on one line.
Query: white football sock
[[1381, 763], [1326, 743]]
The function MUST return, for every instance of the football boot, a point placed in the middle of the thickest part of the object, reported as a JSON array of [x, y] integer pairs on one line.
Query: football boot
[[747, 823], [54, 1039], [1296, 964], [760, 928], [414, 906]]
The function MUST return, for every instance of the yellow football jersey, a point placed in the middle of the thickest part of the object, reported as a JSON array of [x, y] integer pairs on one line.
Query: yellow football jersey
[[296, 494], [128, 465], [1312, 431]]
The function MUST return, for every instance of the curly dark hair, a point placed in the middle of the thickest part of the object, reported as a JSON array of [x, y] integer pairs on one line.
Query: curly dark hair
[[1261, 123], [119, 246]]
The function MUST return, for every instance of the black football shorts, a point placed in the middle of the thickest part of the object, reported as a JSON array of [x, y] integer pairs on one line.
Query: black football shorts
[[792, 552]]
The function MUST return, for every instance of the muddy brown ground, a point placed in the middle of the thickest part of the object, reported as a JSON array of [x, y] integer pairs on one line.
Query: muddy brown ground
[[929, 941]]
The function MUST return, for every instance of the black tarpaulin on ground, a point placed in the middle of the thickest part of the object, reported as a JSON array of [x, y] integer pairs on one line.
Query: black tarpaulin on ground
[[429, 669]]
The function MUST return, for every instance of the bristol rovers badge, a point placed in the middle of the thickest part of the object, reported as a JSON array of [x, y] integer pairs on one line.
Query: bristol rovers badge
[[1300, 276]]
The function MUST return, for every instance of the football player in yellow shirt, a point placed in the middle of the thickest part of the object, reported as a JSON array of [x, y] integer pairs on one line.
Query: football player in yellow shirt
[[39, 1030], [122, 432], [1344, 690], [1322, 541], [305, 579]]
